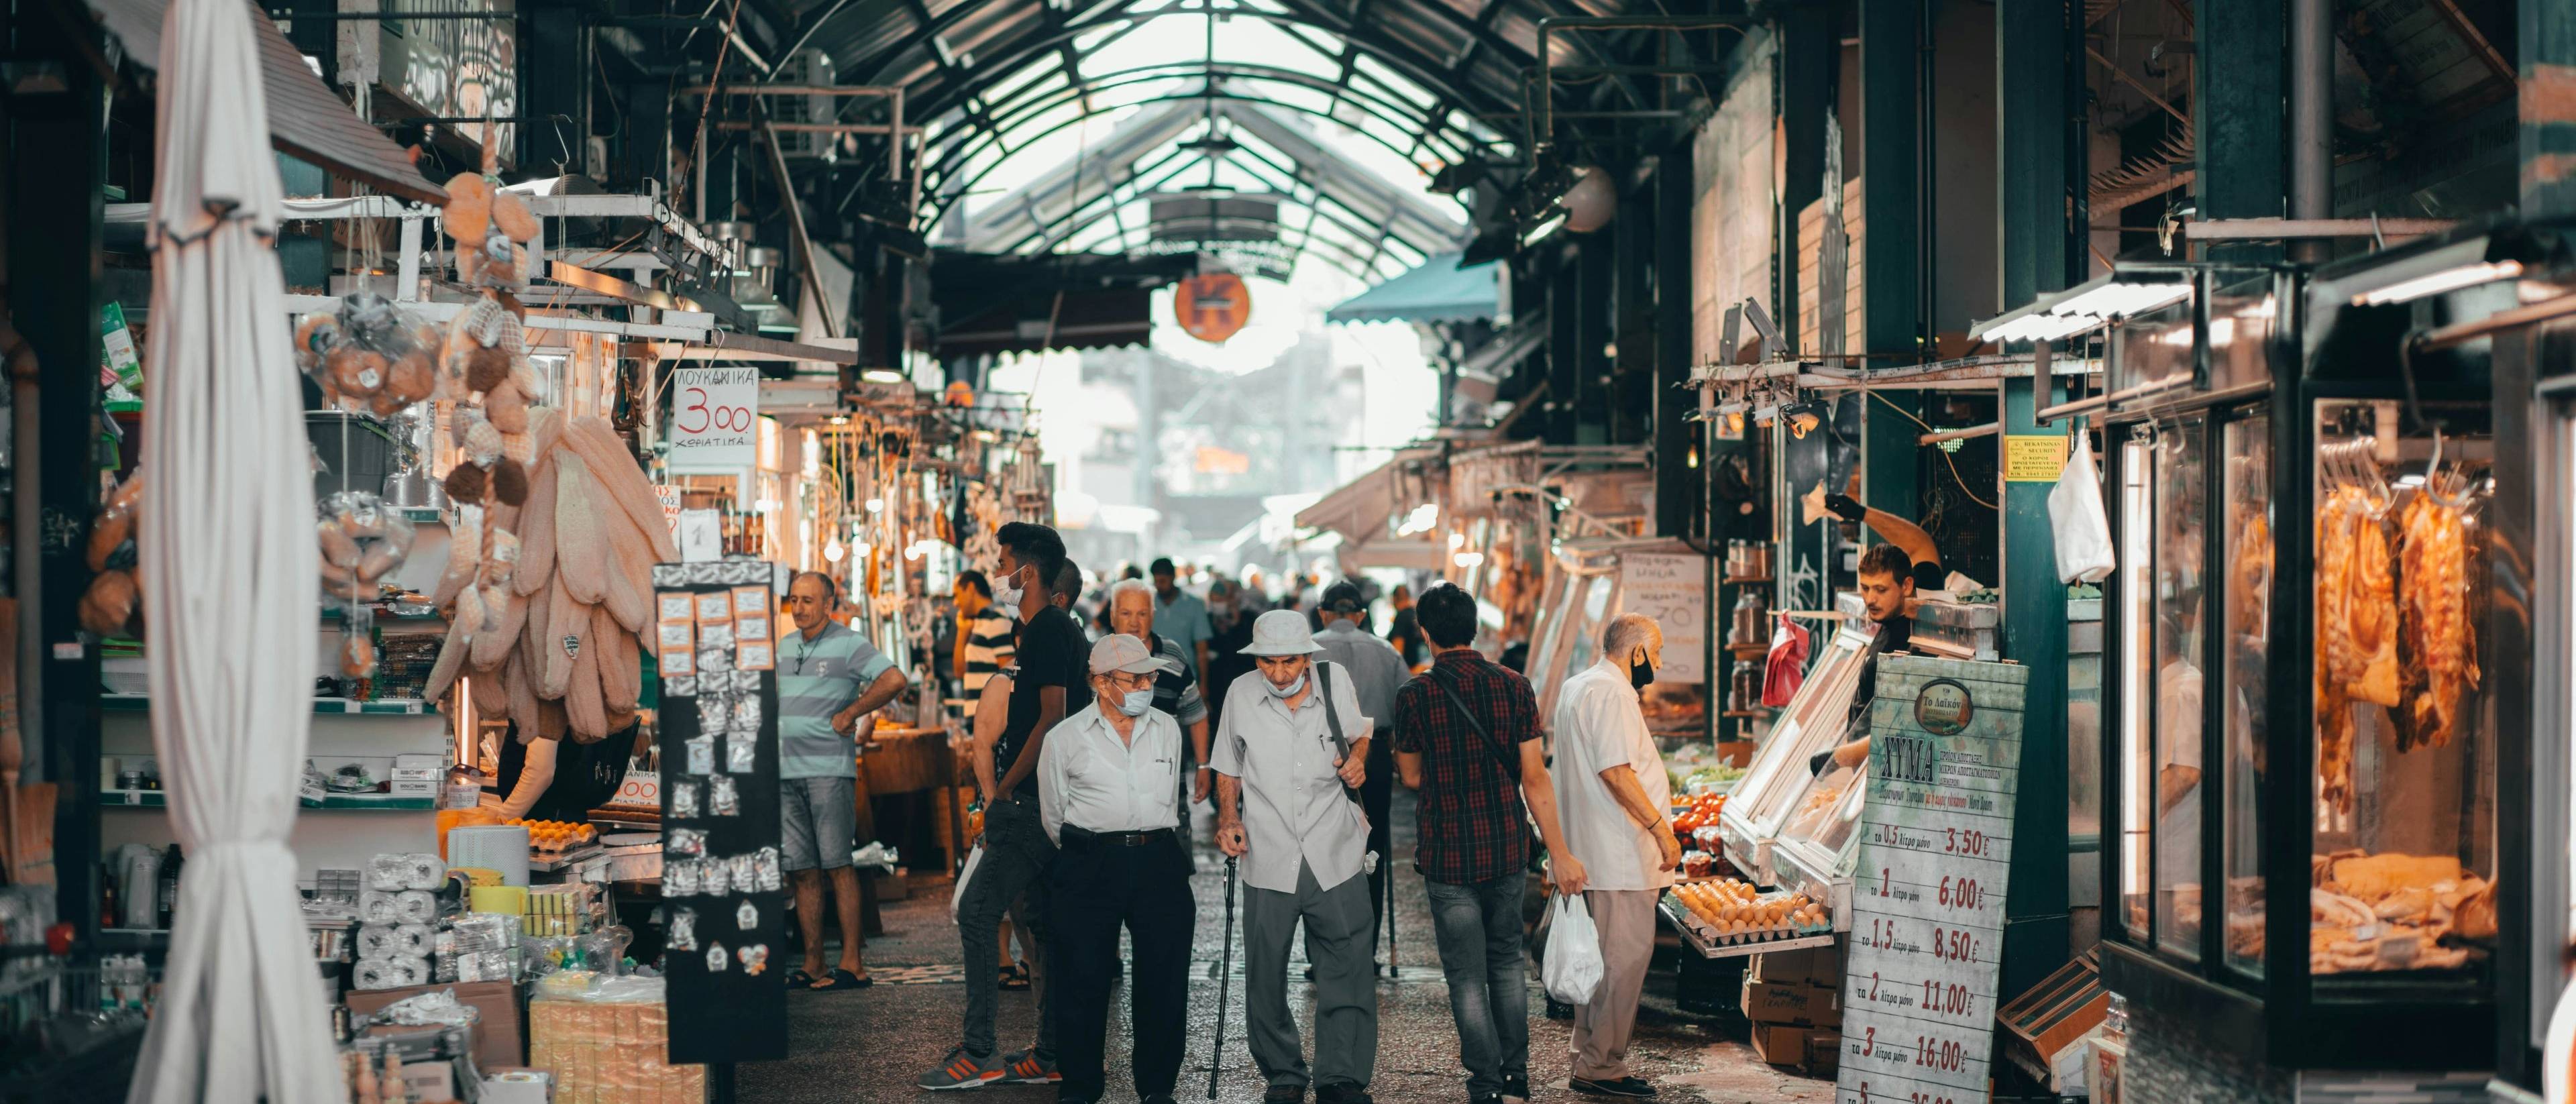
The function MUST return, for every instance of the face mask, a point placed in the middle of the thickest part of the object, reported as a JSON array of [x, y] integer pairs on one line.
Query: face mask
[[1006, 592], [1641, 672], [1137, 702], [1288, 691]]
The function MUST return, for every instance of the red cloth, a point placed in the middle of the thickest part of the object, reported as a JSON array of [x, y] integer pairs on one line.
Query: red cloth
[[1788, 663]]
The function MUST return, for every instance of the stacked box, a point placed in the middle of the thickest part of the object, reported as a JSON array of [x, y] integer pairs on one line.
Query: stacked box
[[604, 1052]]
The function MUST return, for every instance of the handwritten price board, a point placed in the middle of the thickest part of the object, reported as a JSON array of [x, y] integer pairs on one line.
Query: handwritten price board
[[715, 419], [1928, 891], [1674, 591]]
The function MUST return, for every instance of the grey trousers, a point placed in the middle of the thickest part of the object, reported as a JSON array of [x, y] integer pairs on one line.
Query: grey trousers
[[1625, 919], [1008, 879], [1338, 944]]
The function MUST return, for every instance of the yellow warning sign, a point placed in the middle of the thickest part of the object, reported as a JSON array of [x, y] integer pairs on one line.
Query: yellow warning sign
[[2034, 458]]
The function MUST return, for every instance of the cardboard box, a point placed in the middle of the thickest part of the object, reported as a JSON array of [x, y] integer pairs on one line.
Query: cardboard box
[[1810, 966], [1824, 1054], [1775, 1002], [418, 775], [1780, 1044], [498, 1032]]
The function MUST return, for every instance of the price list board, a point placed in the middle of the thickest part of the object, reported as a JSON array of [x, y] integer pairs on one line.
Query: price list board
[[1935, 845], [725, 945]]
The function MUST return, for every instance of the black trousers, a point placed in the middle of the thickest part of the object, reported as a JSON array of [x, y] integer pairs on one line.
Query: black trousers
[[1092, 890]]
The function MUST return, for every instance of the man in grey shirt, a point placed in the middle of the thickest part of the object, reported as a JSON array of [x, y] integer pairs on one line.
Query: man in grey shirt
[[1282, 807], [1376, 671]]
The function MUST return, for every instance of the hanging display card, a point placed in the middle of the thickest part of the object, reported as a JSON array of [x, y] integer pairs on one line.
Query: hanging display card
[[725, 946], [1674, 591], [1928, 888], [715, 419]]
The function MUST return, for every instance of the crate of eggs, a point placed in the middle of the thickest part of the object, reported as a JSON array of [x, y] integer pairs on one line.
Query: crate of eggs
[[1733, 911], [548, 838]]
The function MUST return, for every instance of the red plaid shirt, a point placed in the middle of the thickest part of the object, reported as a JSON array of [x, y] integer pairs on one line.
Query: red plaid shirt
[[1472, 827]]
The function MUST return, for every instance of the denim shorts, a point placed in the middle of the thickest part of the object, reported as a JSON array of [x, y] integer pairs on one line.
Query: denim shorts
[[818, 822]]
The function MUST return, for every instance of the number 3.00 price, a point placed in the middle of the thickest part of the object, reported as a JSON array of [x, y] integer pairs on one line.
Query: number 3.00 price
[[698, 417]]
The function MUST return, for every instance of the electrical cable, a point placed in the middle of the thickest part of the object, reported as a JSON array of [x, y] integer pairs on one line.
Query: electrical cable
[[1945, 453]]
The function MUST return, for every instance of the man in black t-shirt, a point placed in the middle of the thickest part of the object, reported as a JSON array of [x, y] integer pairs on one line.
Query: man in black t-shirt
[[1052, 682], [1888, 578]]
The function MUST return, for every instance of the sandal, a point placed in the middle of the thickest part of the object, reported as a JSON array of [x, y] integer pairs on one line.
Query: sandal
[[1015, 978], [799, 979], [840, 979]]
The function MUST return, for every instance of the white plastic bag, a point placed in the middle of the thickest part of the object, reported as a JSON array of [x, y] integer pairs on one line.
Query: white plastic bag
[[1573, 967], [965, 874], [2075, 512]]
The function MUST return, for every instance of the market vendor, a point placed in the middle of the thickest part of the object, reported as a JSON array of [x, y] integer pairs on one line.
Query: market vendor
[[829, 679], [560, 779], [1889, 576]]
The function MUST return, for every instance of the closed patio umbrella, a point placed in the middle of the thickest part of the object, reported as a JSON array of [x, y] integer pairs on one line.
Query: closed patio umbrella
[[229, 584]]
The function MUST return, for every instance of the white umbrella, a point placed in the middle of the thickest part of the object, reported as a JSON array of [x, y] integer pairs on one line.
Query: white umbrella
[[228, 587]]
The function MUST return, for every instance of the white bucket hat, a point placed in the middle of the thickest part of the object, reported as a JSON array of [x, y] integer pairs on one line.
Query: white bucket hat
[[1282, 632]]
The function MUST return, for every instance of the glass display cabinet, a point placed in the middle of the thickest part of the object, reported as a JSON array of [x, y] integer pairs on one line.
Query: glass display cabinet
[[1778, 783], [2297, 664]]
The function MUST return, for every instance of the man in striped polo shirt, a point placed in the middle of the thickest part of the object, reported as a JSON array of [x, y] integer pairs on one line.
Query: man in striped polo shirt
[[985, 632], [1176, 686], [828, 679]]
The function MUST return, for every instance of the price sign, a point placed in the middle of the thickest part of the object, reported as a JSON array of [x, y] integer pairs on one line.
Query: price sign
[[715, 419], [1928, 892], [670, 498], [1674, 591]]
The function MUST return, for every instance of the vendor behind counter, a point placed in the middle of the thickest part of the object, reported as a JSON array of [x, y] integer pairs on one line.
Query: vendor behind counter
[[561, 779]]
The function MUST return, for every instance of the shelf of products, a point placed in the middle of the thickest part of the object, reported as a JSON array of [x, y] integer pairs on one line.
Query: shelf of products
[[385, 803], [386, 707], [1705, 938]]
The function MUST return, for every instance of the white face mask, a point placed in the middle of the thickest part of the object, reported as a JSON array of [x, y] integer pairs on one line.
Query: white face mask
[[1006, 592], [1136, 702], [1288, 691]]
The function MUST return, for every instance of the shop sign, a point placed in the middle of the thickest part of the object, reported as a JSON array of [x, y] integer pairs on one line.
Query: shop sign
[[1935, 852], [1213, 306], [715, 419], [1674, 591], [2034, 457], [670, 497]]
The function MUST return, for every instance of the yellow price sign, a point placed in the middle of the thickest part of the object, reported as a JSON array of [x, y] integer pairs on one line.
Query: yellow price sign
[[2034, 458]]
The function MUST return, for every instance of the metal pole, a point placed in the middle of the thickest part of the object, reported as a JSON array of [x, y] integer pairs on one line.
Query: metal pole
[[2311, 120]]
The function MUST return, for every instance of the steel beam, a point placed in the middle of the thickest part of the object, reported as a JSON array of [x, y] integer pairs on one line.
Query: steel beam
[[1677, 480], [1893, 150], [2239, 94], [1809, 55]]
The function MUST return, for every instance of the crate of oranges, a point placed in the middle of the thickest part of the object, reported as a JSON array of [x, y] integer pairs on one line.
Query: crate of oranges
[[554, 837], [1733, 911]]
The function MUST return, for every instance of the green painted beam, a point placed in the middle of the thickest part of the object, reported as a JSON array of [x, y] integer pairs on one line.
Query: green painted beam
[[2548, 48], [1803, 75], [2239, 103], [2038, 147], [1677, 479], [1892, 147], [1596, 302]]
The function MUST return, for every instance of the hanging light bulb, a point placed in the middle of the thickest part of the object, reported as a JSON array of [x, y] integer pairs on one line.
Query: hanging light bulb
[[876, 505], [832, 549]]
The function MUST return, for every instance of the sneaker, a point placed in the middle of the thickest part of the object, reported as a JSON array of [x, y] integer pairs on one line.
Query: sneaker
[[1484, 1098], [961, 1070], [1630, 1088], [1342, 1094], [1284, 1094], [1516, 1086], [1024, 1067]]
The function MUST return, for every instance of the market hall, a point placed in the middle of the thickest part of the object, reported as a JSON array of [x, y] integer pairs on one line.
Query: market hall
[[1284, 550]]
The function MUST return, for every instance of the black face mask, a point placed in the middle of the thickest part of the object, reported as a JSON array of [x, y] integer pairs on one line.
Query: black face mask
[[1641, 672]]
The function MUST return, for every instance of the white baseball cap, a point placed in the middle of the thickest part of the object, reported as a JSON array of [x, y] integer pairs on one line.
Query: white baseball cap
[[1282, 632], [1125, 654]]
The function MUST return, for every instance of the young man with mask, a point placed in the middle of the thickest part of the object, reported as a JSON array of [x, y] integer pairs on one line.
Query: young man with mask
[[1617, 806], [1467, 736], [1282, 775], [984, 632], [1888, 578], [828, 679], [1052, 685], [1375, 672], [1176, 688], [1109, 797]]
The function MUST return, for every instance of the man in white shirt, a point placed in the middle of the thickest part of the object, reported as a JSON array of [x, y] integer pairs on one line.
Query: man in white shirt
[[1109, 796], [1615, 802], [1291, 747]]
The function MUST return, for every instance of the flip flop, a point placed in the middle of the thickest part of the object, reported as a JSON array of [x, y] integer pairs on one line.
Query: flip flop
[[1014, 979], [799, 979], [838, 980]]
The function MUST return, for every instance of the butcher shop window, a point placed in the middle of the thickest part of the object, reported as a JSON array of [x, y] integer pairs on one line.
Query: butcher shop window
[[2246, 640], [2404, 817], [2179, 683], [2137, 674]]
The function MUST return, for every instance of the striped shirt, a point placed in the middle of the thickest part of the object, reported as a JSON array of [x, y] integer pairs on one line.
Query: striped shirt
[[816, 679], [990, 636], [1176, 689]]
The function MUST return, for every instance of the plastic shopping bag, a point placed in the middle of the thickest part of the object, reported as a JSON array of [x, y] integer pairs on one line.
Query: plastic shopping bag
[[1573, 967], [965, 874], [2075, 512]]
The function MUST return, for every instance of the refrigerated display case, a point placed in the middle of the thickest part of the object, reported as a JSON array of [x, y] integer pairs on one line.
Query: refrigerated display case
[[1814, 720], [2296, 640]]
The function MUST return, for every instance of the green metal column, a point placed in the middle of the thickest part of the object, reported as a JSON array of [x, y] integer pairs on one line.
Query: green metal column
[[1595, 299], [1564, 312], [2239, 103], [1632, 369], [1678, 466], [2548, 37], [1892, 148], [1804, 74], [2036, 148]]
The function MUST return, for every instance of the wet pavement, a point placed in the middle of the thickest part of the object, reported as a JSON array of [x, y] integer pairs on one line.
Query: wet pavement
[[869, 1045]]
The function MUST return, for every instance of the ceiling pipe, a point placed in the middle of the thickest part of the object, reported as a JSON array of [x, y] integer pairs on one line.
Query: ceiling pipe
[[2311, 121]]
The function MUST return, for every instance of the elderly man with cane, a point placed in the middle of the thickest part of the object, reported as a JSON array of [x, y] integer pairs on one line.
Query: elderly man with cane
[[1109, 796], [1290, 752]]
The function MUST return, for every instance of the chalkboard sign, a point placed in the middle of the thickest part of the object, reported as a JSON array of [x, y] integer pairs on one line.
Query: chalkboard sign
[[1674, 591], [725, 949], [1927, 917]]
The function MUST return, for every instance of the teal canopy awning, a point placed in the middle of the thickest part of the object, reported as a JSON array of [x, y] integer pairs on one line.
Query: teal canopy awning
[[1438, 290]]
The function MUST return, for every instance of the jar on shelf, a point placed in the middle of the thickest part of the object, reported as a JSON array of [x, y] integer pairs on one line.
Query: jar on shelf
[[1751, 618]]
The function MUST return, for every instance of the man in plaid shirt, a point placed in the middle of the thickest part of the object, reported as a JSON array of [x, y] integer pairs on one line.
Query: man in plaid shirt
[[1467, 737]]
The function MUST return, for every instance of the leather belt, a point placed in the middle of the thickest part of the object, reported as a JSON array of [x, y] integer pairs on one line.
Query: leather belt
[[1084, 837]]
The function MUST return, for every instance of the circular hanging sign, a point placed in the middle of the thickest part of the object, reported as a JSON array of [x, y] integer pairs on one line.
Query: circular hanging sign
[[1944, 707], [1213, 306]]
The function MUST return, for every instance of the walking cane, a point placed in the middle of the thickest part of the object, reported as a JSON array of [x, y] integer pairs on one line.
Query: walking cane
[[1389, 897], [1224, 983]]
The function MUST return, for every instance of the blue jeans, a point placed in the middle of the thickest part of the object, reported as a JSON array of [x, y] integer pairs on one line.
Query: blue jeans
[[1479, 930]]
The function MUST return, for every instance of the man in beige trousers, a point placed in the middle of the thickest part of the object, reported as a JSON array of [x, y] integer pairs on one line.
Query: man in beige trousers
[[1615, 802]]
